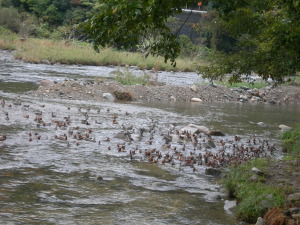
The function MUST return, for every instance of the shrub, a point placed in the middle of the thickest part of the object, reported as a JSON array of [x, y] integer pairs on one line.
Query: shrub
[[250, 195], [10, 18], [124, 95], [291, 140], [128, 78]]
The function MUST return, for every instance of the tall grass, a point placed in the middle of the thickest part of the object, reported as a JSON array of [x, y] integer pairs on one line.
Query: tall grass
[[252, 196], [257, 85], [36, 50], [7, 39], [128, 78], [291, 140]]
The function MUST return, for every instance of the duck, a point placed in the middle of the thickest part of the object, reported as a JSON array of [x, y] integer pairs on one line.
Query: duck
[[3, 138]]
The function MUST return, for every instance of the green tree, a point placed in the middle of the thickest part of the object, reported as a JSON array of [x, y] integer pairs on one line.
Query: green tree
[[124, 23], [267, 33], [268, 39]]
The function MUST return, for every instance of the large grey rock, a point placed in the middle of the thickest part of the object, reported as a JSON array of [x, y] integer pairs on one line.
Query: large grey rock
[[213, 172], [216, 133], [195, 129], [108, 97], [260, 221], [229, 205], [45, 61], [284, 127]]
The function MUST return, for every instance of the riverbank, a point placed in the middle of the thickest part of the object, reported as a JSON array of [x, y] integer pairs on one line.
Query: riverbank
[[80, 53], [94, 90], [267, 190]]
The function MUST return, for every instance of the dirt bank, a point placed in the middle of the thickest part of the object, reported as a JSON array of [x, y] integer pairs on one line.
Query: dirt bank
[[206, 93]]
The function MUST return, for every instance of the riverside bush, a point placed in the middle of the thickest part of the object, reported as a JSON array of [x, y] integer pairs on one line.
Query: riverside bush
[[291, 140], [252, 196]]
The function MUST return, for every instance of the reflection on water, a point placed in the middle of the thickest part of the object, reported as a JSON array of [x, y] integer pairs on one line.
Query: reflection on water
[[17, 87]]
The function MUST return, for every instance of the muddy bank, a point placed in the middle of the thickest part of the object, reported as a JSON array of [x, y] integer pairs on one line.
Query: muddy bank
[[205, 93]]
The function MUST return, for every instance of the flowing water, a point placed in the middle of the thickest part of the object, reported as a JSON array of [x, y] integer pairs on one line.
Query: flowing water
[[46, 179]]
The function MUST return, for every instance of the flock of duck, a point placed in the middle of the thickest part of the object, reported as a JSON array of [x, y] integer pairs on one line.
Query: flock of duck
[[151, 143]]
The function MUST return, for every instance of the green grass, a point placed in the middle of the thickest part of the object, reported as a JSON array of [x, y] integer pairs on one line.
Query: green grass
[[295, 80], [257, 85], [7, 39], [36, 50], [291, 140], [252, 196], [128, 78]]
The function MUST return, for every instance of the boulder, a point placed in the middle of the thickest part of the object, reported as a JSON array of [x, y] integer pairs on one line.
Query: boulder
[[195, 129], [45, 61], [229, 205], [108, 97], [216, 133], [284, 127], [196, 100], [213, 172]]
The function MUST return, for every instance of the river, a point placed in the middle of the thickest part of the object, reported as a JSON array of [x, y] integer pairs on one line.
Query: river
[[46, 179]]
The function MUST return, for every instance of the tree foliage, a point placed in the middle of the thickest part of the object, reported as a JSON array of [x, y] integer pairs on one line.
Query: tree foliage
[[266, 33], [268, 39], [124, 23]]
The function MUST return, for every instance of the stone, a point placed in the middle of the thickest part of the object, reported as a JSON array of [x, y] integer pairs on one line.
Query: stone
[[45, 61], [195, 129], [294, 197], [260, 221], [193, 88], [46, 83], [212, 197], [244, 98], [172, 99], [254, 178], [196, 100], [284, 127], [229, 205], [254, 99], [108, 97], [257, 171], [216, 133], [213, 172]]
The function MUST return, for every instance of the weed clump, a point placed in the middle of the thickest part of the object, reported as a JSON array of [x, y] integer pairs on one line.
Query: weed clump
[[291, 140], [254, 197], [124, 95]]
